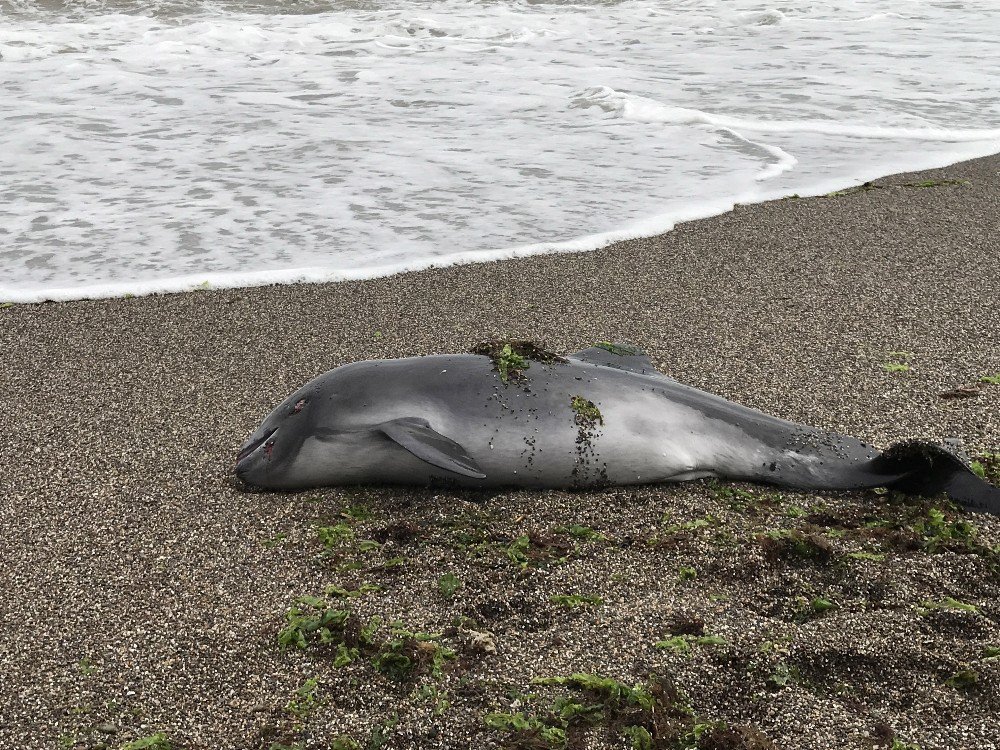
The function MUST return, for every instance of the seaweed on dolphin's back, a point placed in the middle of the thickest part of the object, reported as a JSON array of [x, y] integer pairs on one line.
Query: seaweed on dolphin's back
[[534, 350], [621, 350], [511, 357]]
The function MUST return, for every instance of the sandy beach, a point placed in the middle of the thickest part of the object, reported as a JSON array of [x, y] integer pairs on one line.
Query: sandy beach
[[143, 593]]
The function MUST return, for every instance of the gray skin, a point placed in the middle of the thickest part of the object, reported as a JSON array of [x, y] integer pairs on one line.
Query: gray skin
[[451, 420]]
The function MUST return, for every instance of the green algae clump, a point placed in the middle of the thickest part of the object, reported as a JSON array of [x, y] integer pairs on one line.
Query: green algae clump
[[587, 413], [511, 357]]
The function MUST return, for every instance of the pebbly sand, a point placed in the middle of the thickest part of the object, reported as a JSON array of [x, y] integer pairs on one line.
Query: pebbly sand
[[143, 593]]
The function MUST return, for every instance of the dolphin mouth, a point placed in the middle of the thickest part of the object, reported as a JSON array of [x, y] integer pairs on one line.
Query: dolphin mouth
[[251, 447]]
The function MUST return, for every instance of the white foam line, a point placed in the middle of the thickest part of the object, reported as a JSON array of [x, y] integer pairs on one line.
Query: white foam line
[[320, 274], [644, 228], [784, 162], [641, 109]]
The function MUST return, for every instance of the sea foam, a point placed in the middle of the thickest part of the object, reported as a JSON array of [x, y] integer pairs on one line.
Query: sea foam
[[162, 147]]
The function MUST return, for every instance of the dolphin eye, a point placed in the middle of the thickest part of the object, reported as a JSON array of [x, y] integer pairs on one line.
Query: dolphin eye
[[298, 406]]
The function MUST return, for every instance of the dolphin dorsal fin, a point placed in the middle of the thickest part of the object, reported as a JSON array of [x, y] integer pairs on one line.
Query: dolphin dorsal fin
[[417, 436], [620, 356]]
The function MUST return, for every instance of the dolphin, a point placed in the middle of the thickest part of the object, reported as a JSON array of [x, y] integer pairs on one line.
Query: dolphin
[[602, 416]]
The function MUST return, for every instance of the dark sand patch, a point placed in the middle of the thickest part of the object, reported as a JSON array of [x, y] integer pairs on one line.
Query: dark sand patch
[[143, 593]]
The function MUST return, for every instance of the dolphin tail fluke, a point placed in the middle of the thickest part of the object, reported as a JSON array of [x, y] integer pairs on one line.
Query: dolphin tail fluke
[[928, 469]]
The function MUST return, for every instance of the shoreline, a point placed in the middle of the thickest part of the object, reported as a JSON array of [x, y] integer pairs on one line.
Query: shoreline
[[144, 593], [640, 229]]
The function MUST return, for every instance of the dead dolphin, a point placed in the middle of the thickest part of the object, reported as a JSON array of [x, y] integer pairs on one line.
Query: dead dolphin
[[602, 416]]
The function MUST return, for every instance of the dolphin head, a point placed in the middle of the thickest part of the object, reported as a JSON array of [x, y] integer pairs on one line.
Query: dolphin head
[[318, 435], [272, 448]]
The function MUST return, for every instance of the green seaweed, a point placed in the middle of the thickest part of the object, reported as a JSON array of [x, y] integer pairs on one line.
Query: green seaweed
[[793, 545], [645, 717], [919, 185], [332, 537], [578, 531], [529, 731], [936, 183], [510, 363], [610, 691], [587, 413], [576, 600], [987, 467], [448, 584], [405, 652], [305, 700], [963, 679], [683, 644], [511, 357], [312, 621], [948, 604]]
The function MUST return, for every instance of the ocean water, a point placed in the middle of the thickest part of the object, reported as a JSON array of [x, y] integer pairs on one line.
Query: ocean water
[[163, 145]]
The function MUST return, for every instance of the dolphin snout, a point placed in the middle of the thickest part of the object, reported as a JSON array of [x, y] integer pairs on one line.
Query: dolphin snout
[[251, 446]]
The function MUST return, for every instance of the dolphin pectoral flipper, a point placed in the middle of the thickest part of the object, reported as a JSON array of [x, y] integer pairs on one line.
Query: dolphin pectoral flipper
[[417, 436], [620, 356]]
